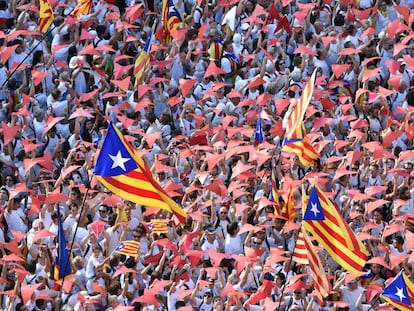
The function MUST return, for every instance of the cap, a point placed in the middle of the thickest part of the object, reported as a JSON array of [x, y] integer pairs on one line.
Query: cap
[[245, 26]]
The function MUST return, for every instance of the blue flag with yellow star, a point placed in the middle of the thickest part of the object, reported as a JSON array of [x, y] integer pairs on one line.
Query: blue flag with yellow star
[[400, 292], [120, 169]]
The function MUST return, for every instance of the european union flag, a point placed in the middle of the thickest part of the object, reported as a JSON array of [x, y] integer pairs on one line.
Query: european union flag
[[314, 210], [258, 134], [62, 259]]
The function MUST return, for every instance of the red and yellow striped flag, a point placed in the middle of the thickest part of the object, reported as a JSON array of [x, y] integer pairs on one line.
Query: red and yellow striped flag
[[320, 280], [128, 248], [171, 18], [83, 8], [142, 61], [120, 169], [330, 229], [295, 139], [288, 210], [158, 226], [46, 17]]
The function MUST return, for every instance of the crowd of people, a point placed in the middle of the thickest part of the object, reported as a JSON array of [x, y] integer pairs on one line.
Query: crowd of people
[[192, 117]]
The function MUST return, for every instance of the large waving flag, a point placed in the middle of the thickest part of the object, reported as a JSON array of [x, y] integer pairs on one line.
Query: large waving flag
[[120, 169], [142, 61], [330, 229], [400, 292], [62, 264], [295, 138], [83, 8], [46, 17], [171, 17]]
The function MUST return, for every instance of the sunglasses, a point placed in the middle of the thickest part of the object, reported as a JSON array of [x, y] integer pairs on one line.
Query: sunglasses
[[103, 212]]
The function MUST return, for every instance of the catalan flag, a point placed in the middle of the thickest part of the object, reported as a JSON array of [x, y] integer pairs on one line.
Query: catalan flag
[[295, 138], [46, 17], [158, 226], [83, 8], [171, 17], [320, 280], [300, 254], [128, 248], [302, 147], [400, 292], [258, 133], [142, 61], [330, 229], [121, 170], [288, 210], [62, 263]]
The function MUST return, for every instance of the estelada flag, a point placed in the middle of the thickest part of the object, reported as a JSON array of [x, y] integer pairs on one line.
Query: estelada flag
[[120, 169]]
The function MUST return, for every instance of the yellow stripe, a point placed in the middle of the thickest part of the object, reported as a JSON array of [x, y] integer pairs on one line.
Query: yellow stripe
[[141, 184], [348, 253]]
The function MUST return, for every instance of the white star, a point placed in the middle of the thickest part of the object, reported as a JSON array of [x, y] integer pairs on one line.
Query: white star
[[400, 293], [119, 161], [315, 209]]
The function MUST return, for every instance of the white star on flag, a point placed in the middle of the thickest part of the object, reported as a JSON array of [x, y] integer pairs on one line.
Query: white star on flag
[[315, 209], [400, 293], [118, 160]]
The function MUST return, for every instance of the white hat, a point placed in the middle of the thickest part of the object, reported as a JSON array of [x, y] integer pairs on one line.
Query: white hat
[[245, 26], [74, 61]]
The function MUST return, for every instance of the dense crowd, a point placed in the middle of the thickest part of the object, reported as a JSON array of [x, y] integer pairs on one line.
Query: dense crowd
[[192, 118]]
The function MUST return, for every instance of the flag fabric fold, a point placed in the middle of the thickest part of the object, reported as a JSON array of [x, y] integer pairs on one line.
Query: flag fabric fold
[[329, 228], [82, 8], [46, 16], [120, 169], [295, 140], [171, 18], [128, 248], [62, 264], [400, 292]]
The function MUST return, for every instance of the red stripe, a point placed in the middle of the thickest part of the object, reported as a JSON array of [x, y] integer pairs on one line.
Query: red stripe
[[344, 257], [133, 190]]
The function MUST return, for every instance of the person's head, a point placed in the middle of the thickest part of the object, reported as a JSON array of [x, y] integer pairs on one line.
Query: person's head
[[223, 213], [233, 228], [208, 297], [377, 215], [398, 242], [97, 250], [4, 194], [103, 211]]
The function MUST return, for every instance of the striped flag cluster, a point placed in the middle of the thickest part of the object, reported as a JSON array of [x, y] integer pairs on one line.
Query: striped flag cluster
[[120, 169], [295, 139], [171, 18], [128, 248], [46, 16], [330, 229], [400, 292], [142, 61]]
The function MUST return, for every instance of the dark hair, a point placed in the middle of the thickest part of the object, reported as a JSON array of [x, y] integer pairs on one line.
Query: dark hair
[[232, 227]]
